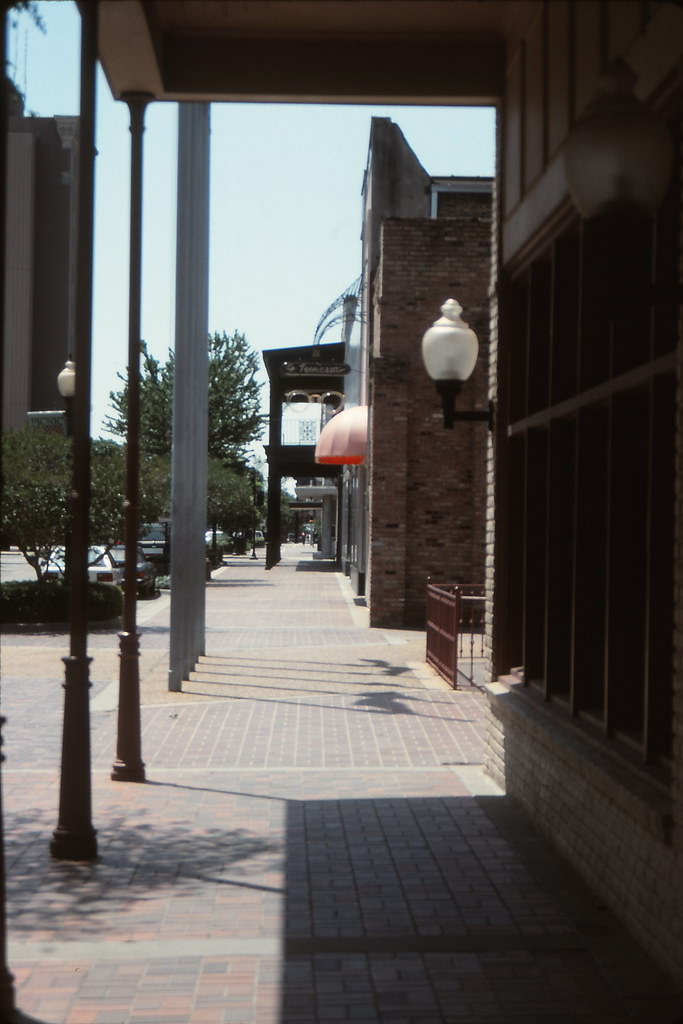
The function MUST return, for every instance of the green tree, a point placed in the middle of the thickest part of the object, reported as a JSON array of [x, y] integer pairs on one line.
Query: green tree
[[228, 501], [108, 469], [235, 419], [156, 405], [233, 400], [36, 471]]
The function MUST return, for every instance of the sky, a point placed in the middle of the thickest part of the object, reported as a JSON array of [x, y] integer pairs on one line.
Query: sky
[[285, 214]]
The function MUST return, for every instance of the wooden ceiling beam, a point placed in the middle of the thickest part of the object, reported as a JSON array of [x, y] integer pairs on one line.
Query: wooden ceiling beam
[[422, 70]]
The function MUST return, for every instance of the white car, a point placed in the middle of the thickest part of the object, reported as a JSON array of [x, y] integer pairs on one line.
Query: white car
[[102, 567]]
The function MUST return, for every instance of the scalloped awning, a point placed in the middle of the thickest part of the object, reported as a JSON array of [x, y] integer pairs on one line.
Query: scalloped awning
[[343, 440]]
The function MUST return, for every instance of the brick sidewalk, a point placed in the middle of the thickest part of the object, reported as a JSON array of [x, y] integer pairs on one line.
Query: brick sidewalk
[[315, 840]]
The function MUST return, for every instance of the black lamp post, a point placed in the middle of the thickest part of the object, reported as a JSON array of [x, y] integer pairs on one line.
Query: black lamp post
[[129, 766], [253, 513], [74, 838], [66, 385], [449, 352]]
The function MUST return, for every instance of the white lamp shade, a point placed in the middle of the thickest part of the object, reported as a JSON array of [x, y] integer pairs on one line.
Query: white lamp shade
[[66, 380], [619, 154], [450, 347]]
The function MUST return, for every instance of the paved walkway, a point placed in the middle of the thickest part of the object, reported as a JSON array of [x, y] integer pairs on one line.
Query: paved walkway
[[315, 842]]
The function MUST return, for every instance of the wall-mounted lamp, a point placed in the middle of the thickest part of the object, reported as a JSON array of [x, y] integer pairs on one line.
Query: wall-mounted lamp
[[66, 385], [618, 155], [449, 352], [66, 379]]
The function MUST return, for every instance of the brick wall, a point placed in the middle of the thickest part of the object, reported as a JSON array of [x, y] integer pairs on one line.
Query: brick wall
[[609, 821], [427, 484], [623, 833]]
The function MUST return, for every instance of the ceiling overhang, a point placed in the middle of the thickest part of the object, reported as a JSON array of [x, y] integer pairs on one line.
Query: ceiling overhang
[[357, 51]]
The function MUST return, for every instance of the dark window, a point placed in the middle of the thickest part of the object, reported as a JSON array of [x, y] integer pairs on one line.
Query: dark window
[[591, 344]]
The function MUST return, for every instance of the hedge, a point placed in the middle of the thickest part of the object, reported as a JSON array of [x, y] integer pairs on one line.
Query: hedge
[[31, 601]]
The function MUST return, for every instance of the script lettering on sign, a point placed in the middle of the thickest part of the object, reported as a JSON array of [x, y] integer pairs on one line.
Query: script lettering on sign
[[314, 369]]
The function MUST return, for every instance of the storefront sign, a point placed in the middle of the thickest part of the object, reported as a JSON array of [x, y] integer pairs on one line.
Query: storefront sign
[[312, 368]]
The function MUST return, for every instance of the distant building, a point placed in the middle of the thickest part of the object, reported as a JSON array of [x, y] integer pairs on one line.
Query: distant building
[[418, 506], [40, 253]]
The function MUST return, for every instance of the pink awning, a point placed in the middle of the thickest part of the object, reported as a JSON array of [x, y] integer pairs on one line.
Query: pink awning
[[343, 440]]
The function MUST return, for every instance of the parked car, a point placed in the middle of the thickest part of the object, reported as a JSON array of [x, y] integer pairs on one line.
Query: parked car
[[145, 571], [222, 538], [155, 541], [101, 566]]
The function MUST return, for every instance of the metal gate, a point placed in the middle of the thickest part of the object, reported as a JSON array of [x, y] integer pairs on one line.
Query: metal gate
[[455, 628]]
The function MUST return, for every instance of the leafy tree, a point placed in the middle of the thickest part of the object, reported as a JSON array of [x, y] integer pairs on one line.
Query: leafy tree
[[155, 487], [228, 504], [235, 419], [35, 492], [107, 471], [156, 405], [36, 471], [233, 400]]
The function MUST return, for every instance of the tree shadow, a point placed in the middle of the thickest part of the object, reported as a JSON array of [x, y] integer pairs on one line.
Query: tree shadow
[[388, 702], [388, 668], [137, 863]]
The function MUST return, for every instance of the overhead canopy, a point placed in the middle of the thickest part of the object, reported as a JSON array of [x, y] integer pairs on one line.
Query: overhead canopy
[[429, 51], [343, 440]]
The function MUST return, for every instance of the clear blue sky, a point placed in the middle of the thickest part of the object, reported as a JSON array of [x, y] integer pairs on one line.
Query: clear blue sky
[[285, 199]]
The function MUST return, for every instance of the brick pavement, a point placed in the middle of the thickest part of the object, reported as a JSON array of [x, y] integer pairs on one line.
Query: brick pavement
[[315, 840]]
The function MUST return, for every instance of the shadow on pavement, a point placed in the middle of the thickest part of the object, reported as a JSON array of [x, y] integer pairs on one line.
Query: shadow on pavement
[[392, 907], [436, 910], [318, 565], [138, 860]]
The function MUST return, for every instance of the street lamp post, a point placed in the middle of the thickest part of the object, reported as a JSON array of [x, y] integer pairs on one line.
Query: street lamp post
[[253, 512], [129, 766], [74, 837], [66, 385]]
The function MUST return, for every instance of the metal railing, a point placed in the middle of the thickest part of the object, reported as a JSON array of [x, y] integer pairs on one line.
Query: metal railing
[[455, 628]]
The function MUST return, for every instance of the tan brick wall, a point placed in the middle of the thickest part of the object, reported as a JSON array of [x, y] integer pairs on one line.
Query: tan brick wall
[[428, 484], [621, 832], [610, 822]]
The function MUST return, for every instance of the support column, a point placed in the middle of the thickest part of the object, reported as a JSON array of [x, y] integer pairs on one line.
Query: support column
[[328, 517], [273, 518], [129, 766], [190, 396], [74, 838], [6, 976]]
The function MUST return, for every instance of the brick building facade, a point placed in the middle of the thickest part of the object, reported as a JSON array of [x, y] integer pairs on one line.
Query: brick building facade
[[427, 484], [418, 506], [40, 252]]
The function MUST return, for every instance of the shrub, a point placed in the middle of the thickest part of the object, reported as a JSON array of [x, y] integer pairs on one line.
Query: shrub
[[48, 601]]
